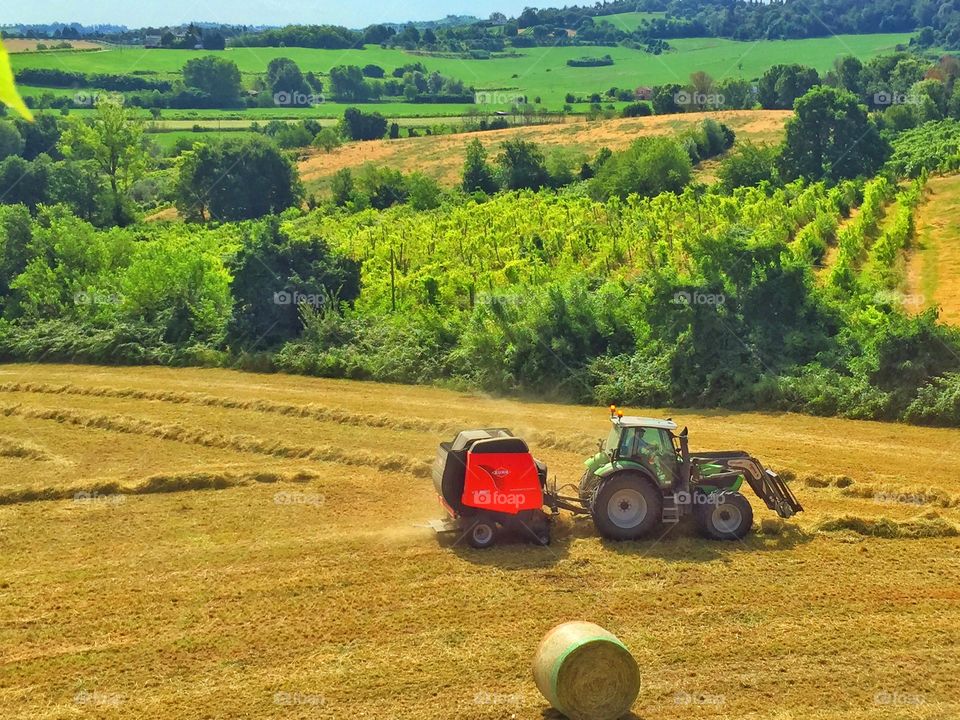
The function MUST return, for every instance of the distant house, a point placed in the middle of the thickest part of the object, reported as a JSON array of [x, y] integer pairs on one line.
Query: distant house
[[644, 93], [152, 41]]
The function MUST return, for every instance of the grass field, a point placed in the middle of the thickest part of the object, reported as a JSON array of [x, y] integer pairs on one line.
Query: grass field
[[442, 156], [628, 21], [248, 546], [541, 71]]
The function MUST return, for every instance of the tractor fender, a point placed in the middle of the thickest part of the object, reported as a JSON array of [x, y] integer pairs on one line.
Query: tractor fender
[[620, 468], [617, 466]]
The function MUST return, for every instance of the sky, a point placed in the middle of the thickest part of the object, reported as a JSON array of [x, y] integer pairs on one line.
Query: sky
[[143, 13]]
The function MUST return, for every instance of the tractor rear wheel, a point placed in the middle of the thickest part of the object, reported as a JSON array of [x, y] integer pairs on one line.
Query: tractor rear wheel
[[728, 516], [627, 507], [481, 532]]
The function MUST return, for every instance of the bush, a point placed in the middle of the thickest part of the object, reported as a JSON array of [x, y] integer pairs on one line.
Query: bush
[[638, 109], [358, 125], [649, 167]]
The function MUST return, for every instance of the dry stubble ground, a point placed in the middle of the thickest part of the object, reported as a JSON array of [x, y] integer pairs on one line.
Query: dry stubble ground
[[441, 156], [303, 588]]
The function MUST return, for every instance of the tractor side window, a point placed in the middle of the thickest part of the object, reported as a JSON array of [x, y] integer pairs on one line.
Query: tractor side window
[[627, 439], [664, 444]]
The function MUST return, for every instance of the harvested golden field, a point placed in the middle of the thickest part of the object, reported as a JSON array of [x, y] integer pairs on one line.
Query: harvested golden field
[[933, 271], [441, 156], [185, 543], [20, 45]]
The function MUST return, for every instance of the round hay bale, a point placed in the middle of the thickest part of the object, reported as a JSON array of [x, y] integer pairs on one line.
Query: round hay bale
[[585, 672]]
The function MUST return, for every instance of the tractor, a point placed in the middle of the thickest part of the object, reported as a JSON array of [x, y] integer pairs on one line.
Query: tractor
[[642, 478]]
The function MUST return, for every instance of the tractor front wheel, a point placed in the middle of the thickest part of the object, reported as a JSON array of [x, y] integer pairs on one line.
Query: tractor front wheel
[[481, 532], [627, 507], [725, 516]]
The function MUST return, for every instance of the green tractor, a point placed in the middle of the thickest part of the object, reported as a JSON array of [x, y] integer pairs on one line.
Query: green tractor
[[644, 476]]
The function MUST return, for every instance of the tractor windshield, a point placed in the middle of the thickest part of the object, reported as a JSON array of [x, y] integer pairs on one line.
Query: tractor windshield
[[613, 440]]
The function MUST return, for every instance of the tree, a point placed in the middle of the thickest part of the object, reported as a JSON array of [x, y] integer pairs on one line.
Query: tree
[[11, 141], [213, 40], [217, 77], [286, 81], [522, 165], [394, 131], [341, 187], [382, 185], [423, 192], [781, 85], [665, 99], [275, 275], [848, 72], [327, 140], [831, 137], [236, 180], [40, 137], [358, 125], [748, 165], [347, 83], [477, 175], [650, 166], [114, 140]]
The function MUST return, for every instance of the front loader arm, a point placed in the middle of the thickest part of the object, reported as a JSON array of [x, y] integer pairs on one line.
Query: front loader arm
[[767, 485]]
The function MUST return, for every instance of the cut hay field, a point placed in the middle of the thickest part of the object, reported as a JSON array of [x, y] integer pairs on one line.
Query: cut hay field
[[247, 546], [23, 45], [442, 156], [538, 71]]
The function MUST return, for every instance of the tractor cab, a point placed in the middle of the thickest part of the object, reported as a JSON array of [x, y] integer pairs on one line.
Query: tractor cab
[[647, 442]]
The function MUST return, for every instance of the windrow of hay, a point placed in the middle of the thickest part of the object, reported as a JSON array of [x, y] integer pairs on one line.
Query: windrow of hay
[[929, 525], [13, 448], [887, 493], [823, 481], [313, 411], [162, 483], [905, 495], [242, 443]]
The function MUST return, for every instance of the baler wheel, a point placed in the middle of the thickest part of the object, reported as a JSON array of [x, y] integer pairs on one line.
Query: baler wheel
[[481, 532]]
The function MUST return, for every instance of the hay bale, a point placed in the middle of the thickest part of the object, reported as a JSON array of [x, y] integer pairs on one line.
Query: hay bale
[[585, 672]]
